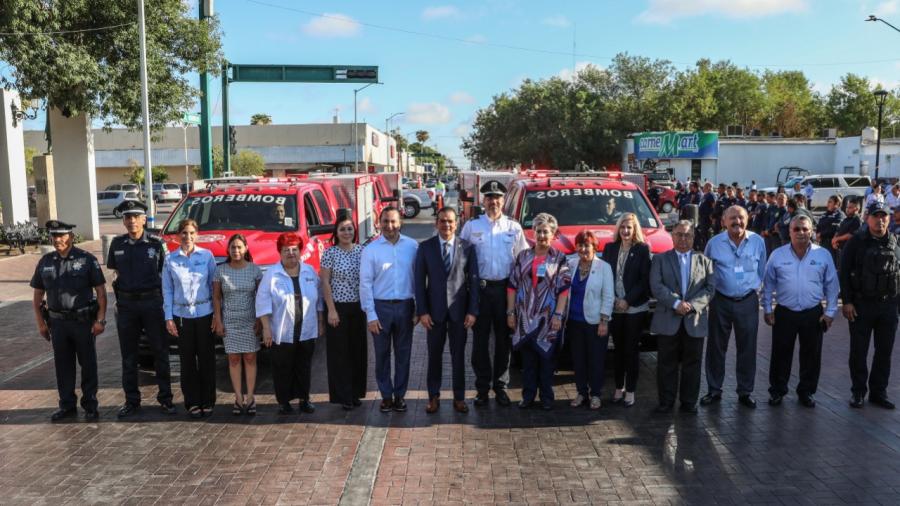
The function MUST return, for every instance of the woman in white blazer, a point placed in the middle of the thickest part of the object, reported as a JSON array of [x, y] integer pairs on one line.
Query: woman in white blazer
[[291, 310], [591, 298]]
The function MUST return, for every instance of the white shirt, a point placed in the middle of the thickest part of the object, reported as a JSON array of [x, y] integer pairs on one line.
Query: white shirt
[[891, 200], [386, 272], [449, 248], [275, 297], [497, 243]]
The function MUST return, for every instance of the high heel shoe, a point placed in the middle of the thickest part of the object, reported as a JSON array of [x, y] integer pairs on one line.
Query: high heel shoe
[[237, 409], [250, 409]]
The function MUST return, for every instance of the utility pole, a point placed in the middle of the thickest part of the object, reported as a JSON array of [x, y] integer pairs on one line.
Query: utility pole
[[206, 169], [145, 117]]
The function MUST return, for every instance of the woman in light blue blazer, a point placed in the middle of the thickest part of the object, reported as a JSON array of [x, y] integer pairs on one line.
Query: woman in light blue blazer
[[590, 306], [290, 308]]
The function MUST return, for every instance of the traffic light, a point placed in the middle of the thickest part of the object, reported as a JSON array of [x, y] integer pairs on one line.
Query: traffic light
[[232, 140]]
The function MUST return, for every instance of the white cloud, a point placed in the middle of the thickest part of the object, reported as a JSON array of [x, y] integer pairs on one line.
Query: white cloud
[[885, 84], [887, 8], [332, 25], [566, 74], [365, 105], [665, 11], [462, 130], [461, 97], [431, 113], [557, 20], [440, 12], [476, 39]]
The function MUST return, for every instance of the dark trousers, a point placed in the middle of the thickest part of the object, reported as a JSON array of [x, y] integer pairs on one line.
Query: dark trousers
[[686, 351], [491, 316], [347, 354], [396, 333], [878, 320], [131, 317], [196, 348], [626, 332], [743, 317], [73, 340], [537, 372], [291, 369], [437, 337], [789, 327], [588, 356]]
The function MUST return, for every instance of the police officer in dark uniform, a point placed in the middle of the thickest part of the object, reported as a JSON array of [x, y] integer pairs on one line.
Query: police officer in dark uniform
[[705, 212], [72, 317], [719, 206], [828, 226], [870, 286], [137, 257]]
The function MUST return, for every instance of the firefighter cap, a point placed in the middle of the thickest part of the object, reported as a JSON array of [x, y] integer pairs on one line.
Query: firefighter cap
[[493, 187]]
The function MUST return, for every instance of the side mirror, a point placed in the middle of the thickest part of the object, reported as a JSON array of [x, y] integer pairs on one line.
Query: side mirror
[[465, 197], [477, 211], [396, 194], [320, 229], [394, 197]]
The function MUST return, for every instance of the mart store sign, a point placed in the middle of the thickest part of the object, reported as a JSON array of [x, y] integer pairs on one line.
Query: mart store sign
[[676, 145]]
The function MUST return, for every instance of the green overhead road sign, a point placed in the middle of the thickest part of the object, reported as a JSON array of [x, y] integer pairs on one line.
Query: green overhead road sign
[[191, 118], [303, 73]]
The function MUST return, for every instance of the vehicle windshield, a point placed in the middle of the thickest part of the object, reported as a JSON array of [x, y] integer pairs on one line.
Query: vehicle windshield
[[792, 181], [268, 213], [587, 206]]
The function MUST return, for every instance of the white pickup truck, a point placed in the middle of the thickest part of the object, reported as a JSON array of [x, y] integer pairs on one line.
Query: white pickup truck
[[416, 200], [826, 185]]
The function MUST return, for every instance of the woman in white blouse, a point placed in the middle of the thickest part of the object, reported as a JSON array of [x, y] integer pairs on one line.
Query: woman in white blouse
[[290, 309]]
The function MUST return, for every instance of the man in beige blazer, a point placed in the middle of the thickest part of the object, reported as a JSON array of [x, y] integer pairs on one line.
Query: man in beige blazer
[[683, 284]]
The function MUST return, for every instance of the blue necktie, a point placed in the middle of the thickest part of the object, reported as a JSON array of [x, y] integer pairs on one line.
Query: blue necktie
[[445, 255]]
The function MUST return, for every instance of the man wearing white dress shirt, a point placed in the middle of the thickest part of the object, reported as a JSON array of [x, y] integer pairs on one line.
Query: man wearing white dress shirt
[[386, 294], [497, 240]]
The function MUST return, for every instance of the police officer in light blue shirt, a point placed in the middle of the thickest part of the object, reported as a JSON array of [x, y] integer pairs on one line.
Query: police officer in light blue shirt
[[801, 275], [739, 260]]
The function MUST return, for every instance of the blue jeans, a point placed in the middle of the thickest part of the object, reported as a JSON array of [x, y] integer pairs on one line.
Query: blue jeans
[[396, 332]]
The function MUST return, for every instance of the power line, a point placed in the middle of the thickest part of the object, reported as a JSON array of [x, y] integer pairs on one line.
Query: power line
[[538, 50], [61, 32]]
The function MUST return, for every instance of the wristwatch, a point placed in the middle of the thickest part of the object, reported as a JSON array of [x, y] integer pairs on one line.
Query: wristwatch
[[101, 322], [511, 312]]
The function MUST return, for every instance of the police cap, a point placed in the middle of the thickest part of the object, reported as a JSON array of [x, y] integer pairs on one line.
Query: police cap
[[493, 187], [131, 207], [878, 207], [57, 227]]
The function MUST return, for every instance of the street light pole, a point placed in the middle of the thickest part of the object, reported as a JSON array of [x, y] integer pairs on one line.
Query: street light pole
[[145, 116], [880, 96], [872, 17], [387, 133], [355, 131]]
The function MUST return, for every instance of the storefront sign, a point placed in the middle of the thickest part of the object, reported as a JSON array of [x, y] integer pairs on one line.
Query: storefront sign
[[676, 145]]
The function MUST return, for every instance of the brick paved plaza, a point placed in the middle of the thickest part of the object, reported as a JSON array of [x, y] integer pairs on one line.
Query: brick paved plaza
[[725, 454]]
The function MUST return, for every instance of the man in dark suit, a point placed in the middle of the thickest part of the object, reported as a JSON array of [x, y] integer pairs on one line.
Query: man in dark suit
[[683, 284], [446, 279]]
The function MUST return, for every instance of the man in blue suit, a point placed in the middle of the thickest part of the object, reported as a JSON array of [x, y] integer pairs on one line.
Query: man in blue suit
[[446, 279]]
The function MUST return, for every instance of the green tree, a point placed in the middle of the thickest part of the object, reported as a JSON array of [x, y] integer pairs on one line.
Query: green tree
[[402, 143], [136, 174], [82, 56], [422, 136], [30, 153], [261, 119], [851, 105], [713, 96], [245, 163], [791, 107]]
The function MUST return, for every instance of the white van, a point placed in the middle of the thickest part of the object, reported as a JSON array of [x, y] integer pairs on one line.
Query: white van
[[826, 185]]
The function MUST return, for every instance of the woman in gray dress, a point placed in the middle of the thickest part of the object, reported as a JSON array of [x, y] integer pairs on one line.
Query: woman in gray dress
[[234, 318]]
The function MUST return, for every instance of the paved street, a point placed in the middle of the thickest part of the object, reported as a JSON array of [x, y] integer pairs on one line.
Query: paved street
[[725, 454]]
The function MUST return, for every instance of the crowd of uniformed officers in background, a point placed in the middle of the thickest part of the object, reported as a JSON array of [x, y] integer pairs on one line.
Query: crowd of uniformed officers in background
[[741, 254]]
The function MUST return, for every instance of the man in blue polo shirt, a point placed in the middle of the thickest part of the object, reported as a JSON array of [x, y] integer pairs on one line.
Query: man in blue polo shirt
[[739, 259], [802, 275]]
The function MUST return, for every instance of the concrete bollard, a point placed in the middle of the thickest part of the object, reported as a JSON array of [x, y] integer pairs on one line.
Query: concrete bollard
[[105, 241]]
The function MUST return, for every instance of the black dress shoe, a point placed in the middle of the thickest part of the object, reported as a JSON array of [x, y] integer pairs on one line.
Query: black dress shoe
[[688, 408], [285, 409], [347, 406], [307, 407], [399, 405], [524, 404], [711, 398], [62, 414], [547, 406], [775, 399], [481, 399], [807, 400], [167, 407], [857, 401], [663, 409], [357, 402], [747, 401], [127, 410], [91, 415], [501, 398], [882, 402]]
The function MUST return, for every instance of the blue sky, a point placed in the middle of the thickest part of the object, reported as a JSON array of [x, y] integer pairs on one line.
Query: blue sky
[[441, 61]]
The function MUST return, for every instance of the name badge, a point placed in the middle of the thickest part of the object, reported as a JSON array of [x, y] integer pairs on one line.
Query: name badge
[[119, 252], [739, 271], [542, 270]]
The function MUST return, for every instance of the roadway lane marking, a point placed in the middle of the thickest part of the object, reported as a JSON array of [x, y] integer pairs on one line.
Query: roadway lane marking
[[358, 487]]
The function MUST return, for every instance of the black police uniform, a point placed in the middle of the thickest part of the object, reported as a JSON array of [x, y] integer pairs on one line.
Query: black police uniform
[[705, 220], [870, 280], [69, 284], [138, 287], [827, 228]]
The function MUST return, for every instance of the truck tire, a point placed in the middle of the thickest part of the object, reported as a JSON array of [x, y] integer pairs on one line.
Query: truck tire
[[410, 209], [667, 207]]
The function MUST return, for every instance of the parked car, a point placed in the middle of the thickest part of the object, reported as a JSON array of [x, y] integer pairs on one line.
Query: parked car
[[166, 192], [826, 185], [108, 200]]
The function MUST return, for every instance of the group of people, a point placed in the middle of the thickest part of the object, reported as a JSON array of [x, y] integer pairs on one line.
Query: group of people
[[531, 299]]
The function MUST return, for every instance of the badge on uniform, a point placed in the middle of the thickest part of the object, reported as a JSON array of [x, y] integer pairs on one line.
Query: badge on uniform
[[78, 264], [151, 253]]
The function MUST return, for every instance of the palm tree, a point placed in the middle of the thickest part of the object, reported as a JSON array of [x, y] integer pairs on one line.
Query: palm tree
[[422, 136], [261, 119]]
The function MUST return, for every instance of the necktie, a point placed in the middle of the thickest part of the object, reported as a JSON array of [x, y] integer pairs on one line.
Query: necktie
[[445, 256]]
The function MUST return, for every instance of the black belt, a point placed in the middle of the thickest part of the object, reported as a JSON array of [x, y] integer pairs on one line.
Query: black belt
[[807, 310], [122, 295], [735, 299], [83, 314], [494, 282], [393, 301]]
